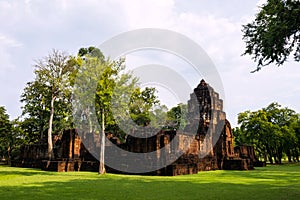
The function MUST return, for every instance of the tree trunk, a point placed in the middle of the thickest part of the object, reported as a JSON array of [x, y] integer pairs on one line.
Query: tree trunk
[[42, 135], [280, 155], [265, 157], [8, 155], [289, 155], [276, 155], [270, 155], [102, 145], [296, 155], [50, 145]]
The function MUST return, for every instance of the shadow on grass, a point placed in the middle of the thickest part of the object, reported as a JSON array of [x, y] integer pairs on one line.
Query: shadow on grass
[[16, 171]]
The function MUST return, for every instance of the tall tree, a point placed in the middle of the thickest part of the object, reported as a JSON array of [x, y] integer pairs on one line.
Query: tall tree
[[116, 97], [274, 34], [104, 92], [54, 71], [111, 83]]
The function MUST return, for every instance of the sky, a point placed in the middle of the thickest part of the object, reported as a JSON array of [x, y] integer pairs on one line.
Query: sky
[[30, 29]]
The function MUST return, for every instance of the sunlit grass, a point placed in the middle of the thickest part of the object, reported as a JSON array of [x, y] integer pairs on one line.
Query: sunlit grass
[[272, 182]]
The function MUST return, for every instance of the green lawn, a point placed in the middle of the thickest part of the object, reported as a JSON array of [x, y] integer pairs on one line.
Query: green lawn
[[272, 182]]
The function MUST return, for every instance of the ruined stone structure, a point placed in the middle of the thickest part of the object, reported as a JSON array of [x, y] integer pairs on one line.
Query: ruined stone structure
[[206, 143]]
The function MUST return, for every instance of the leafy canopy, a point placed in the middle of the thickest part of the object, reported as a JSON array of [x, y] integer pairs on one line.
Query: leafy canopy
[[274, 34]]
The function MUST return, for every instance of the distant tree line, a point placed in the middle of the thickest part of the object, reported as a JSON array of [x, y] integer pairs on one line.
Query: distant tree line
[[274, 131]]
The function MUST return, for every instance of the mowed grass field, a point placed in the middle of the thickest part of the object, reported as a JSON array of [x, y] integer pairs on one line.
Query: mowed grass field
[[271, 182]]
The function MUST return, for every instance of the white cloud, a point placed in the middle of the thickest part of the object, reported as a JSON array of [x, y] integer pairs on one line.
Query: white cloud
[[141, 14], [6, 44], [8, 41]]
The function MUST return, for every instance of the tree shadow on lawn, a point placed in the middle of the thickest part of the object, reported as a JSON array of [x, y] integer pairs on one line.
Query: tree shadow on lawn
[[20, 171], [142, 187]]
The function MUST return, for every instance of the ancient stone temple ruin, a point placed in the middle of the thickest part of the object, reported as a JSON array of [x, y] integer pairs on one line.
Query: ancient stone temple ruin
[[206, 143]]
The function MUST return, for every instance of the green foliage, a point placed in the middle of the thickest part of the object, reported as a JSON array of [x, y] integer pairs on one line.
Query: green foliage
[[107, 82], [91, 52], [275, 33], [5, 133], [11, 136], [271, 182], [5, 126], [272, 131], [177, 116], [158, 116], [102, 85], [141, 105], [239, 137], [35, 112]]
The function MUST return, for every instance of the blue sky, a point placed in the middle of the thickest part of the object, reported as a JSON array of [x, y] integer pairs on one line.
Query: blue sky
[[31, 28]]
